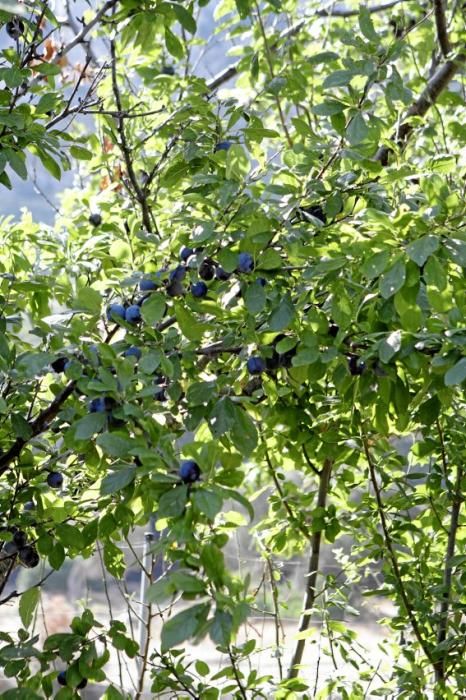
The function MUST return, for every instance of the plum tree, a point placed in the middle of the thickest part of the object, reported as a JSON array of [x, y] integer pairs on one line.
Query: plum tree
[[280, 247]]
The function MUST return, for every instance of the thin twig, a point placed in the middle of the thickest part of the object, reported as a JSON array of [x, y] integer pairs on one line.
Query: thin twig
[[268, 57], [138, 191], [448, 568], [391, 553], [284, 501]]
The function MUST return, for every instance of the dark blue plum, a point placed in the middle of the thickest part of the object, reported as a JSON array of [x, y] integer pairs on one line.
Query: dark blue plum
[[98, 405], [95, 219], [186, 253], [160, 394], [61, 678], [245, 262], [223, 146], [133, 351], [168, 70], [189, 471], [28, 557], [199, 290], [147, 285], [115, 311], [55, 480], [175, 289], [178, 274], [256, 365], [133, 314], [60, 364], [222, 274], [262, 281], [356, 366], [20, 539], [207, 269]]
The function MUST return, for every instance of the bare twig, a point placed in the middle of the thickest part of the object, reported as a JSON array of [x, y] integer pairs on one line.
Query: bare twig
[[80, 37]]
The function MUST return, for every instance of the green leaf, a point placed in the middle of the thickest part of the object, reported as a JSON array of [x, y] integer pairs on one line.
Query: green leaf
[[113, 693], [187, 582], [207, 502], [327, 109], [88, 426], [114, 560], [237, 162], [419, 251], [283, 315], [188, 323], [19, 693], [48, 162], [456, 250], [20, 426], [184, 17], [366, 25], [27, 605], [70, 535], [357, 129], [18, 163], [183, 626], [153, 309], [376, 264], [172, 503], [255, 298], [243, 433], [392, 280], [117, 480], [223, 417], [456, 374], [88, 299], [115, 445], [80, 153], [221, 629], [32, 363], [338, 78], [270, 259], [243, 7], [173, 44], [389, 346]]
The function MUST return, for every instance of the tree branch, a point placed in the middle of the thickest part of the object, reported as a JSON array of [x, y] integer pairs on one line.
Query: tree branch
[[448, 567], [38, 425], [342, 12], [138, 191], [312, 572], [441, 26], [392, 556], [79, 38], [428, 97]]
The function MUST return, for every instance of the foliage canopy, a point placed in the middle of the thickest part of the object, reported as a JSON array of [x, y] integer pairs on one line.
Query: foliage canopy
[[320, 185]]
